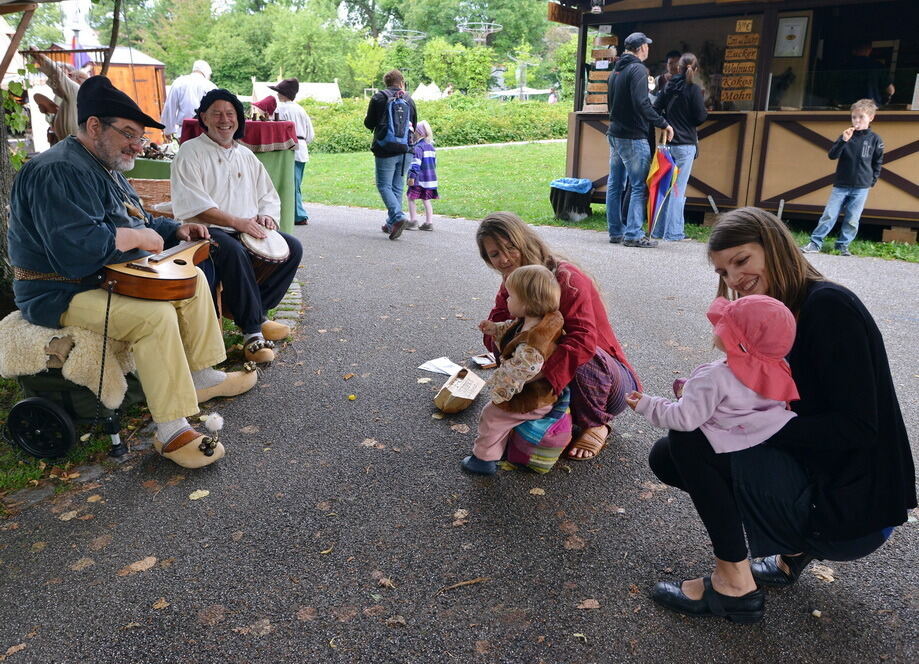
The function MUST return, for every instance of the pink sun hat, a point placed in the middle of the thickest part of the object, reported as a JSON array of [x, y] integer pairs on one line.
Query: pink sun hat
[[758, 332]]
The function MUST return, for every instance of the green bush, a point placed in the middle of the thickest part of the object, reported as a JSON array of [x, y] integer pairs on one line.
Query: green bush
[[456, 120]]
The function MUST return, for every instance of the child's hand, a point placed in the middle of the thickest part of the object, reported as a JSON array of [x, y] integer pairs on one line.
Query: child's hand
[[847, 134], [488, 327], [678, 387], [411, 181], [632, 398]]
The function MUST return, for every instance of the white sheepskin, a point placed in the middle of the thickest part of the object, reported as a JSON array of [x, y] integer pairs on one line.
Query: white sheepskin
[[22, 353]]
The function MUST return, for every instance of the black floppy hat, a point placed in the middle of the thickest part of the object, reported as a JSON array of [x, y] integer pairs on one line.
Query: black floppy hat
[[218, 94], [98, 97]]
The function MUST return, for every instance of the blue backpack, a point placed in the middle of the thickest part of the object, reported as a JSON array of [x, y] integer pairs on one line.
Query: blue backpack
[[397, 121]]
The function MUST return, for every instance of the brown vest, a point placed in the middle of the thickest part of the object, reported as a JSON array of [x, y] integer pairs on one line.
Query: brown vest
[[542, 337]]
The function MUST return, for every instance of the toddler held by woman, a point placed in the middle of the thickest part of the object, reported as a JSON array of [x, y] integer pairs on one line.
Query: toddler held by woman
[[739, 401], [518, 392]]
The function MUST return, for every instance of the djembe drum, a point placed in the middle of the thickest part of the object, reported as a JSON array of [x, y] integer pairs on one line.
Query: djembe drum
[[266, 253]]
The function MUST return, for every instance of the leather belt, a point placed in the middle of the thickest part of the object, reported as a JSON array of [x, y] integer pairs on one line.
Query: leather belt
[[22, 274]]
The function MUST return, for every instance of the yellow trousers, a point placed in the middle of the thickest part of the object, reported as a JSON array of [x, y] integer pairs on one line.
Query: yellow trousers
[[169, 340]]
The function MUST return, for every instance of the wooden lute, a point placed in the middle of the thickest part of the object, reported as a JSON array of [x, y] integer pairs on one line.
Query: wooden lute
[[168, 275]]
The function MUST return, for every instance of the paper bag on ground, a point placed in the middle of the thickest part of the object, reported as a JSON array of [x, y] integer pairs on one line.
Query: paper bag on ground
[[459, 391]]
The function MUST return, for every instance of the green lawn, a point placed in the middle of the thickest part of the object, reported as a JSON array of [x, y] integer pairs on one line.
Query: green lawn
[[477, 180]]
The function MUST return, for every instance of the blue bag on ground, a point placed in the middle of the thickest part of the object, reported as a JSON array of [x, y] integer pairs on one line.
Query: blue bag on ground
[[570, 198], [398, 121]]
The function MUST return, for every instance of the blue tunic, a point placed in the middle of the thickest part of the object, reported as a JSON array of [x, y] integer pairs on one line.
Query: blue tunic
[[64, 209]]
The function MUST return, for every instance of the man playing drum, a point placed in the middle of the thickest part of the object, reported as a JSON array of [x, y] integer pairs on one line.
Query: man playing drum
[[220, 183], [72, 212]]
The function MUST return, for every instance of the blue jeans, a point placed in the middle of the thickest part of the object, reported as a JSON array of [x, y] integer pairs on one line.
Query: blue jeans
[[670, 220], [851, 201], [390, 175], [300, 213], [629, 158]]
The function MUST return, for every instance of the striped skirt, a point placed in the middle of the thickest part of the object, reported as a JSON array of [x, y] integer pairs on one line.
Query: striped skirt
[[598, 390]]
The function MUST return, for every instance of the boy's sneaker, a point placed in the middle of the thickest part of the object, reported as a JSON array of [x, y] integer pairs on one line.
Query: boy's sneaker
[[396, 229], [811, 248], [411, 226], [844, 251], [472, 464], [615, 239], [385, 228], [426, 226], [642, 242]]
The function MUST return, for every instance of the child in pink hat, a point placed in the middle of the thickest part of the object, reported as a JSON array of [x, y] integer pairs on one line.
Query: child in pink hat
[[741, 400]]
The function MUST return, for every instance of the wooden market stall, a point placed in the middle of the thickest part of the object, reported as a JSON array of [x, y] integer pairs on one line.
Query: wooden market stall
[[778, 77]]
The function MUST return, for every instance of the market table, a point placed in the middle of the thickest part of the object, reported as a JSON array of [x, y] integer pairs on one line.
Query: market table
[[273, 144]]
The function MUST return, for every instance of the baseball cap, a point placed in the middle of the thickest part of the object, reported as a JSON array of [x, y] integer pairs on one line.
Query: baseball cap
[[635, 40]]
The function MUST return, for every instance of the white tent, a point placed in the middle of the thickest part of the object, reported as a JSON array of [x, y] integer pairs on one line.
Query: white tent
[[512, 93], [429, 92], [326, 92]]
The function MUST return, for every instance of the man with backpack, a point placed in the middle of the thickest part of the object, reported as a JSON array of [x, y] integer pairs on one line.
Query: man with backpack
[[391, 115]]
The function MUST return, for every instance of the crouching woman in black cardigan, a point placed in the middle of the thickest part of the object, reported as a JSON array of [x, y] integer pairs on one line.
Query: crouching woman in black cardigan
[[835, 480]]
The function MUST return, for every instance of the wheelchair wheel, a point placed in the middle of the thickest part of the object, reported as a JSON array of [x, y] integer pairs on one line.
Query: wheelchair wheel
[[41, 428]]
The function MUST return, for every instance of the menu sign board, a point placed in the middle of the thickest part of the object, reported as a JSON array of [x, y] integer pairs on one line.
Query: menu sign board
[[739, 68]]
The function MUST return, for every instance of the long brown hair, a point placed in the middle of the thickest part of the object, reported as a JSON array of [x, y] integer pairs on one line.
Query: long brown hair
[[508, 227], [688, 66], [789, 273]]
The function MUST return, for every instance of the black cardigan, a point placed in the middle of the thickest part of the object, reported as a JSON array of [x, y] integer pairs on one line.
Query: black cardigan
[[849, 434], [682, 106]]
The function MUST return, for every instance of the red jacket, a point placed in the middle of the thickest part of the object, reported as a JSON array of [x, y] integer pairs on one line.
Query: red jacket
[[586, 327]]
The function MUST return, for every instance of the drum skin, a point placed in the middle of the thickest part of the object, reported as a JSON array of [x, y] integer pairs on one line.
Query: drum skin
[[266, 253]]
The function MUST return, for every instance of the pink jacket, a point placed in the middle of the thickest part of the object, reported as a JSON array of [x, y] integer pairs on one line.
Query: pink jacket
[[731, 415]]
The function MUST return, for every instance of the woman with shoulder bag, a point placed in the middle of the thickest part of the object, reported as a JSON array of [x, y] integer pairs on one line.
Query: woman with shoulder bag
[[682, 105]]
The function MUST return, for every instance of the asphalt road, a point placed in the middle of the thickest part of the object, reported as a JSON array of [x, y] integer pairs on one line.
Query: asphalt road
[[333, 530]]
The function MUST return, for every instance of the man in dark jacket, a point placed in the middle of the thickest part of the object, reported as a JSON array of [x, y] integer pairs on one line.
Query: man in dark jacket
[[391, 163], [630, 119]]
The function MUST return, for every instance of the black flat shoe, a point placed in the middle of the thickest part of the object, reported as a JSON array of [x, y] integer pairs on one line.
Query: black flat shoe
[[746, 609], [768, 572]]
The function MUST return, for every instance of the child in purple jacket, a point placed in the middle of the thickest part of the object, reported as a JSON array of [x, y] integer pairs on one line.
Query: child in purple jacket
[[739, 401], [422, 177]]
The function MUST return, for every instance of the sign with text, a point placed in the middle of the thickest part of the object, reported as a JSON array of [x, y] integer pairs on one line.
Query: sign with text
[[739, 68], [737, 95], [744, 25], [737, 82], [740, 53], [751, 39]]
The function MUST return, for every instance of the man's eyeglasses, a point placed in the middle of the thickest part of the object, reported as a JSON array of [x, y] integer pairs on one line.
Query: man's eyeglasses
[[142, 141]]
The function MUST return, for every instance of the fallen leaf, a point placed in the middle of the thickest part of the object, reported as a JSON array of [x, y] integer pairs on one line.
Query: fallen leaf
[[633, 590], [374, 611], [249, 429], [236, 535], [38, 546], [823, 573], [386, 583], [325, 506], [67, 516], [568, 527], [211, 615], [12, 650], [139, 566], [482, 647], [167, 562], [161, 603], [369, 442], [352, 397], [261, 627], [151, 485], [538, 492], [100, 542], [95, 498], [348, 376], [299, 383], [461, 514], [132, 625], [86, 517], [307, 613], [344, 613], [578, 635], [645, 495], [329, 550], [589, 604], [85, 437], [199, 494], [396, 621], [460, 428], [82, 563], [437, 416], [816, 613], [575, 543], [424, 380]]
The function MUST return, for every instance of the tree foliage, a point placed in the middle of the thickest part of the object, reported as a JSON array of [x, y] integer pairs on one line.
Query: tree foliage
[[233, 67], [374, 16], [177, 34], [311, 45]]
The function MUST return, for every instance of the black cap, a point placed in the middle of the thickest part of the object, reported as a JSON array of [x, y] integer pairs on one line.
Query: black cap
[[635, 40], [215, 95], [97, 96]]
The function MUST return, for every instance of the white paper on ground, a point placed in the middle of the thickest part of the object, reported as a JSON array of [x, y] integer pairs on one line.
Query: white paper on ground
[[441, 365], [485, 360]]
